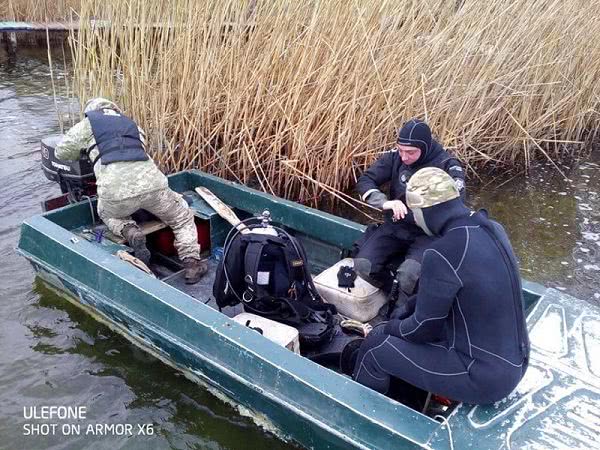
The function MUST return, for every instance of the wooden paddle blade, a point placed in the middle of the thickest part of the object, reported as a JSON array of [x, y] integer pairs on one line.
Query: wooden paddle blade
[[123, 255], [222, 209]]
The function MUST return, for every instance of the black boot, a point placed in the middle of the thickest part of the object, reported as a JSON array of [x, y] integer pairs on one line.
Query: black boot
[[349, 356], [137, 241], [362, 267], [194, 269]]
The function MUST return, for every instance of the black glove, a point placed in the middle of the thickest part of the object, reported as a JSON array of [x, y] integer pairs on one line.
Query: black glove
[[346, 276]]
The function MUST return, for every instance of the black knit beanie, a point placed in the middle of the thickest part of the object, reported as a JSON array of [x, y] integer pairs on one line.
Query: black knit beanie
[[416, 133]]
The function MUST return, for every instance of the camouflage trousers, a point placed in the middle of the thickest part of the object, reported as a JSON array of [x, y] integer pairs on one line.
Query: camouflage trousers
[[167, 205]]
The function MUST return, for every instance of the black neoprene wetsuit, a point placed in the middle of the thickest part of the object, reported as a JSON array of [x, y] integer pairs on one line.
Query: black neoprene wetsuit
[[465, 335], [403, 238]]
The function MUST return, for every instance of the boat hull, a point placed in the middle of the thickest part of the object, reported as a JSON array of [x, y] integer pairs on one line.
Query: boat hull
[[291, 395]]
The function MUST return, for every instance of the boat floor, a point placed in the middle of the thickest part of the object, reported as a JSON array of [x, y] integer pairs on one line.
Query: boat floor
[[201, 291]]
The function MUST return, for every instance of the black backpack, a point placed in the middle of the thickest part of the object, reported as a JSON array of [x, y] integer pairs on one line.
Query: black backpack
[[267, 271]]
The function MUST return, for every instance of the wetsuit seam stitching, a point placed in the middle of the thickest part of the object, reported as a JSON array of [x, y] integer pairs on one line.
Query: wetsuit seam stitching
[[411, 131], [498, 356], [465, 251], [370, 374], [419, 324], [362, 361], [462, 226], [439, 345], [447, 262], [453, 328], [422, 368], [378, 365], [469, 366], [466, 326]]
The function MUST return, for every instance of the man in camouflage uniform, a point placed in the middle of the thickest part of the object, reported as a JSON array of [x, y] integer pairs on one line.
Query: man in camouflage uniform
[[128, 180], [463, 336], [398, 236]]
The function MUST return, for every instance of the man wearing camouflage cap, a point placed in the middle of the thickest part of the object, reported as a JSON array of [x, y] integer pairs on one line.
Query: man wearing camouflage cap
[[463, 336], [127, 180], [399, 237]]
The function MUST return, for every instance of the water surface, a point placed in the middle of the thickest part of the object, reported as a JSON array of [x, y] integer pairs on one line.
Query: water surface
[[51, 353]]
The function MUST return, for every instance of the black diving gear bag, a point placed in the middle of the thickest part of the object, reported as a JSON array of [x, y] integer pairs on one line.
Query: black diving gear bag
[[266, 270]]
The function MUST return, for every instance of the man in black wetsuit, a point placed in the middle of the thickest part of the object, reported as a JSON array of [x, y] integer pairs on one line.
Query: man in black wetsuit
[[398, 236], [463, 336]]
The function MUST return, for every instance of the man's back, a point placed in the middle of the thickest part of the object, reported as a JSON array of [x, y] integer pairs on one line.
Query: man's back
[[488, 302], [115, 181]]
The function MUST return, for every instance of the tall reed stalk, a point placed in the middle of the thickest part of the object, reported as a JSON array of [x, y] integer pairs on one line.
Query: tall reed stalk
[[37, 10], [294, 97]]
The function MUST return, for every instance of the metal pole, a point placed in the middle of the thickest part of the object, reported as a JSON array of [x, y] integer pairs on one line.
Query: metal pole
[[11, 43]]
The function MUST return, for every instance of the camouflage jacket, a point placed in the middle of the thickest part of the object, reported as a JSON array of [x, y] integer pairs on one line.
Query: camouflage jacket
[[116, 181]]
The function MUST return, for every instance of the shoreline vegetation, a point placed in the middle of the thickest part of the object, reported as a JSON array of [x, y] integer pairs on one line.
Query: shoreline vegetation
[[297, 98], [38, 10]]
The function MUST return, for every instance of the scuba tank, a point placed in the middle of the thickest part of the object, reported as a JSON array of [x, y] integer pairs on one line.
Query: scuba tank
[[266, 270]]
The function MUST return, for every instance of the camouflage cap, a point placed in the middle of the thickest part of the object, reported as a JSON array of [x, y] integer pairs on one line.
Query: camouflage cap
[[94, 104], [430, 186]]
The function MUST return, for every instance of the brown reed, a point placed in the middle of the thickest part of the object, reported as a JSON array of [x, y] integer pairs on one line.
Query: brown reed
[[298, 97], [37, 10]]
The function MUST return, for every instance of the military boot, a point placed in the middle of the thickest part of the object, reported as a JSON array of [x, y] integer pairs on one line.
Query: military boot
[[137, 241], [194, 269]]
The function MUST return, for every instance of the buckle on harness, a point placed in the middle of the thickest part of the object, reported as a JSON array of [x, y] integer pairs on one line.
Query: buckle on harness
[[247, 296], [293, 292]]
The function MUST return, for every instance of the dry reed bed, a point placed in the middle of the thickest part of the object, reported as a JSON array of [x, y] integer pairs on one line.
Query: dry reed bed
[[294, 96], [37, 10]]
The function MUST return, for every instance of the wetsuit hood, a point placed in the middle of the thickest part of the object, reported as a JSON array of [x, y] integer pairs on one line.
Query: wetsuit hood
[[439, 217], [417, 133]]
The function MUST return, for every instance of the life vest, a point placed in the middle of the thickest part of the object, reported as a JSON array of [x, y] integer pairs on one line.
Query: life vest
[[117, 137]]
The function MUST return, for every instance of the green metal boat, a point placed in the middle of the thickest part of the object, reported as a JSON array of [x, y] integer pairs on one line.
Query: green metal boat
[[555, 405]]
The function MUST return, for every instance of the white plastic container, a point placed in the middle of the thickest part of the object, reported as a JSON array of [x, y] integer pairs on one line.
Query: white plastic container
[[279, 333], [361, 303]]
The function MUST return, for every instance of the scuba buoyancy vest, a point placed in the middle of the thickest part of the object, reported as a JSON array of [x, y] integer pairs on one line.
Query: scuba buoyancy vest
[[117, 137], [266, 270]]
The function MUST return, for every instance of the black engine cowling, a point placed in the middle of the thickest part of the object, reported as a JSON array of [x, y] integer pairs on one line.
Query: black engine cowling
[[76, 178], [76, 173]]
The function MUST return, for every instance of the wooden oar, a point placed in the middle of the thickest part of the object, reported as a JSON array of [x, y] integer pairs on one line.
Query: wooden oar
[[123, 255], [222, 209]]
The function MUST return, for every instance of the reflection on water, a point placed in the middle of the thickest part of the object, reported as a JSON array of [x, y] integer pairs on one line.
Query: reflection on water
[[553, 223], [52, 353]]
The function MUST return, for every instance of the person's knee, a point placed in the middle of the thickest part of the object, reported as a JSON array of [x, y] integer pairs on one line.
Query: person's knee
[[368, 370], [374, 340], [408, 275]]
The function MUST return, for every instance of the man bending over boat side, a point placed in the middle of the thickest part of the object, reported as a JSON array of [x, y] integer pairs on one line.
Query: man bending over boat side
[[398, 236], [128, 180], [463, 336]]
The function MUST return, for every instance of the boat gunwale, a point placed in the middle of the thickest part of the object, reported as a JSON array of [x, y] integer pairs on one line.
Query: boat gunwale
[[397, 419]]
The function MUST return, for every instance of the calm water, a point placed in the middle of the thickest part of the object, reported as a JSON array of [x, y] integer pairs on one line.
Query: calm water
[[53, 354], [553, 223]]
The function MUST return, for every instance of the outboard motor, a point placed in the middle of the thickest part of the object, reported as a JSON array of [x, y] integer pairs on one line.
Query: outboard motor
[[76, 178]]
